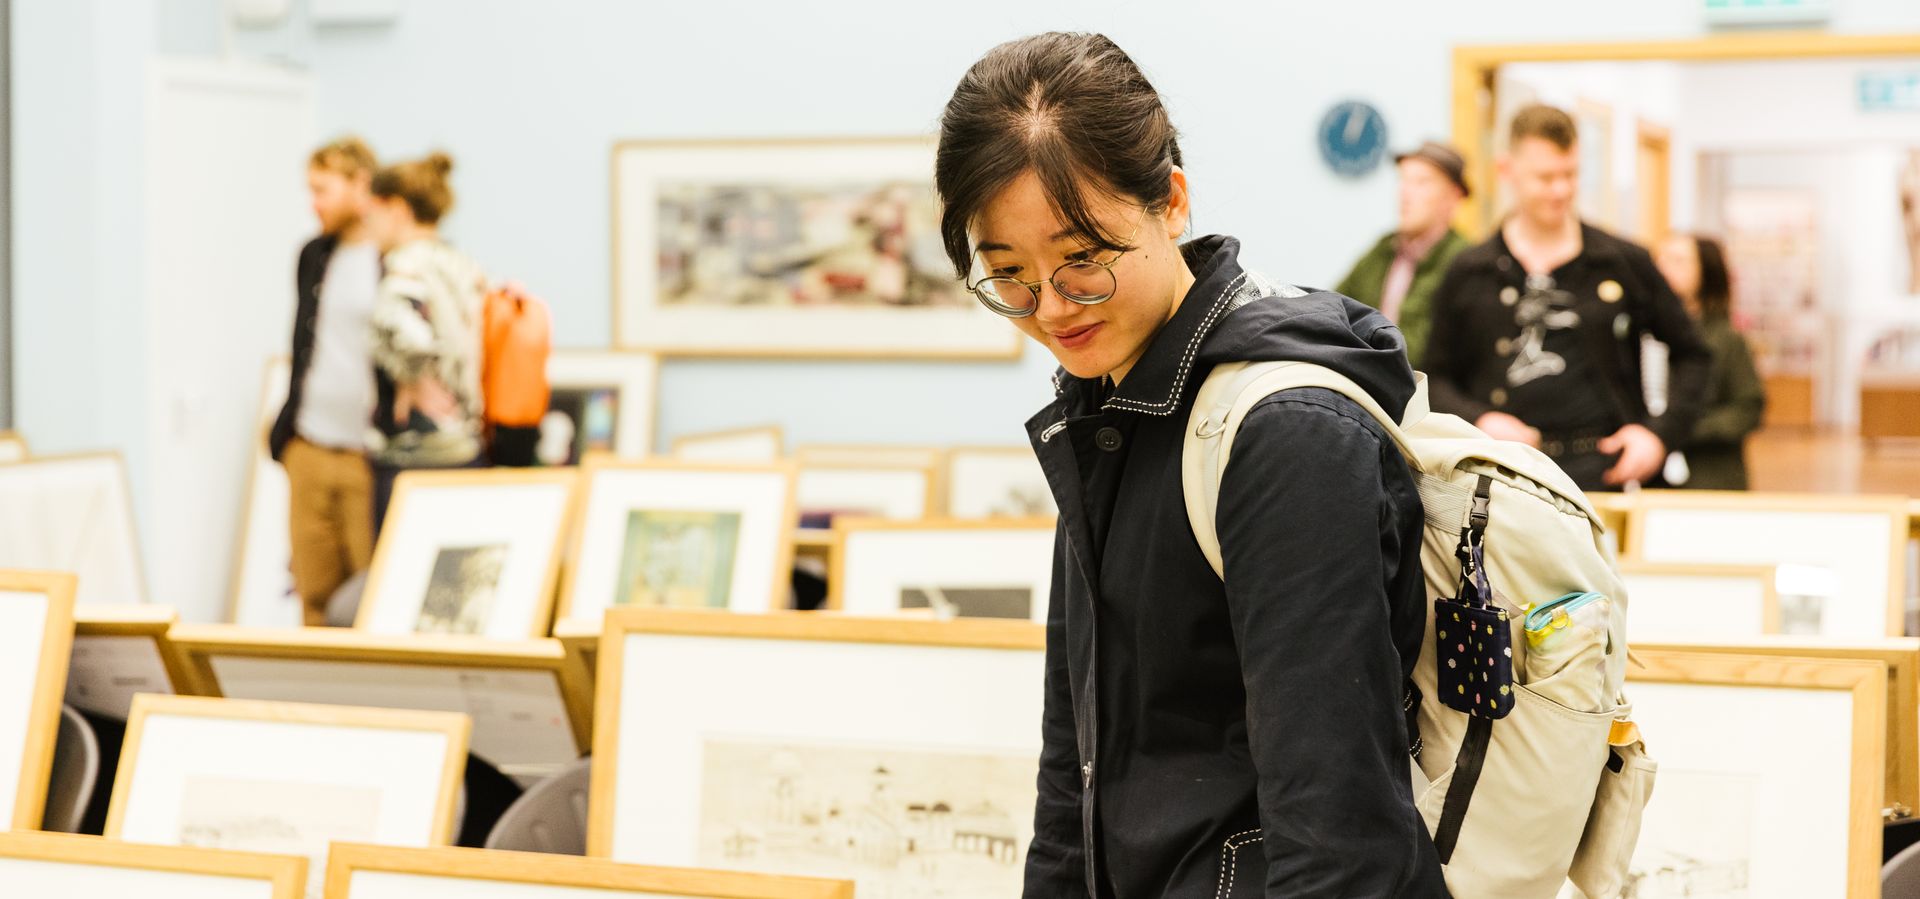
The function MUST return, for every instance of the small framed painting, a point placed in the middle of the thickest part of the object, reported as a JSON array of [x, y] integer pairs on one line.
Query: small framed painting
[[1671, 601], [385, 872], [36, 630], [73, 513], [997, 482], [602, 402], [749, 446], [822, 248], [679, 535], [262, 590], [943, 569], [285, 778], [1770, 780], [1841, 559], [120, 651], [531, 702], [48, 864], [828, 491], [469, 552], [736, 770]]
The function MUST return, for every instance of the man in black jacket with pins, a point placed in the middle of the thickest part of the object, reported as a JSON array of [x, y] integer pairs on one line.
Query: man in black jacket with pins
[[1536, 333]]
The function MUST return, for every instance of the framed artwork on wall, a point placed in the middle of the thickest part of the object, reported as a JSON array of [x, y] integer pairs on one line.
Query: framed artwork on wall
[[789, 248]]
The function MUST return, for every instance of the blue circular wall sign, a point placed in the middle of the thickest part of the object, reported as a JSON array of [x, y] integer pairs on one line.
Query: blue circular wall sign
[[1353, 138]]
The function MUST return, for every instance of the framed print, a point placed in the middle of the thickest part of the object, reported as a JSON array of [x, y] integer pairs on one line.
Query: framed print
[[827, 491], [285, 778], [13, 448], [1671, 601], [997, 482], [469, 552], [741, 771], [36, 627], [262, 591], [602, 402], [1842, 559], [1770, 780], [531, 702], [73, 513], [849, 454], [789, 248], [679, 535], [749, 446], [50, 864], [1901, 655], [384, 872], [943, 568], [120, 651]]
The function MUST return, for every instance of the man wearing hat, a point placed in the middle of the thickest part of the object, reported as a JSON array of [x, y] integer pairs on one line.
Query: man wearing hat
[[1399, 274]]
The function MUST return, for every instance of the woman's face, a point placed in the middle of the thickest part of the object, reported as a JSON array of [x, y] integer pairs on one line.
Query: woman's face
[[1679, 260], [1018, 235], [386, 220]]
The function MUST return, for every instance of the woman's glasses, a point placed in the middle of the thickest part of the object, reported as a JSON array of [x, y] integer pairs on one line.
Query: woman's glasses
[[1082, 281]]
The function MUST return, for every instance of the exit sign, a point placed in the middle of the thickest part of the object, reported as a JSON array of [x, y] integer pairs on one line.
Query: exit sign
[[1890, 91], [1767, 12]]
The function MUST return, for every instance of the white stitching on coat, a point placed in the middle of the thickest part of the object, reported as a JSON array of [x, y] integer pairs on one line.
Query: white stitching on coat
[[1186, 359], [1229, 859]]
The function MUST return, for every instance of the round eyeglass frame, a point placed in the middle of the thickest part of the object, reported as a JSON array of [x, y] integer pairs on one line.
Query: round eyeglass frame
[[984, 291]]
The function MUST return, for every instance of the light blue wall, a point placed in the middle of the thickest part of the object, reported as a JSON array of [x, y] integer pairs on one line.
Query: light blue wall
[[530, 97]]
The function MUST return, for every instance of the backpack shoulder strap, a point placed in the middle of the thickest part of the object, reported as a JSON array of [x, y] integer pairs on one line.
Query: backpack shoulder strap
[[1229, 393]]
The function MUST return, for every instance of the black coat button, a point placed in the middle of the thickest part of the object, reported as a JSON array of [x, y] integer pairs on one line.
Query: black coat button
[[1107, 439]]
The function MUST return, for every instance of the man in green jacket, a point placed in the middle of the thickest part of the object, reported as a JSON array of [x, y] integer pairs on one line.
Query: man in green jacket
[[1399, 274]]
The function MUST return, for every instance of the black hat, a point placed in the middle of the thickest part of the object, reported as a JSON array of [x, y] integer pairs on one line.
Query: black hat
[[1444, 158]]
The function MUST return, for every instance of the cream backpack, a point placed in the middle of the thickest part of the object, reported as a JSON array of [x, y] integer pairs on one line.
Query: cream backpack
[[1553, 791]]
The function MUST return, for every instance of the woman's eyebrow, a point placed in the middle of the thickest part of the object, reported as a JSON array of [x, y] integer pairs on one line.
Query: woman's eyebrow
[[1058, 236]]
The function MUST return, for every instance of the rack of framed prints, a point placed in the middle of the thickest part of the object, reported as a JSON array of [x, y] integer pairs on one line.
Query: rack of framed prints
[[120, 651], [36, 630], [530, 701], [45, 865], [689, 772], [384, 872]]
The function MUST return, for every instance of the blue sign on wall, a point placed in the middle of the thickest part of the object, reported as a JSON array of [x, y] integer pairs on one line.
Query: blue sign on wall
[[1890, 91], [1353, 138]]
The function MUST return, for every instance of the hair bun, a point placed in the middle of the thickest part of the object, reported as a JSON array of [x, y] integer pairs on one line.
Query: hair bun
[[440, 162]]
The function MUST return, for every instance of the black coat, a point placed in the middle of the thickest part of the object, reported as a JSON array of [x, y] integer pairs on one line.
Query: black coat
[[307, 275], [1246, 738]]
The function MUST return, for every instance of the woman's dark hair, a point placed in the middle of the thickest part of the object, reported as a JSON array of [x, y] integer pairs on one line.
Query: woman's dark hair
[[422, 183], [1071, 108], [1716, 287]]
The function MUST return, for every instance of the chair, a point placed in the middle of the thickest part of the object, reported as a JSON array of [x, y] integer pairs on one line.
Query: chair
[[551, 817], [1900, 877], [76, 768]]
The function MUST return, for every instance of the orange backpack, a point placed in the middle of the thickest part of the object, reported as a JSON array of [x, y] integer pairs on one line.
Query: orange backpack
[[516, 339]]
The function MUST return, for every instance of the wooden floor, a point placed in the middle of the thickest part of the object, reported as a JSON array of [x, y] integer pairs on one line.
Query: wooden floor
[[1795, 461]]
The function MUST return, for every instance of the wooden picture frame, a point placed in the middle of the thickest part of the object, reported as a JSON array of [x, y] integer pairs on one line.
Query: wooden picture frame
[[261, 593], [359, 783], [824, 491], [832, 291], [681, 750], [1901, 655], [996, 482], [34, 647], [104, 554], [1737, 601], [749, 506], [634, 380], [876, 563], [13, 448], [121, 651], [87, 866], [1615, 511], [440, 523], [494, 683], [1717, 723], [760, 445], [1831, 531], [416, 873]]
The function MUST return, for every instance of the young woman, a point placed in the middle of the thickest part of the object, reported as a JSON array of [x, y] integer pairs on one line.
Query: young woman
[[1244, 738], [1696, 269], [426, 330]]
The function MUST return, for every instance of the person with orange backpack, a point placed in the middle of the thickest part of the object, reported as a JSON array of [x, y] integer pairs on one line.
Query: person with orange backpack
[[516, 339]]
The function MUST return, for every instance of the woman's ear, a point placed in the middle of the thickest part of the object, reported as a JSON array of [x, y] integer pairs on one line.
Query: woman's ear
[[1179, 212]]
